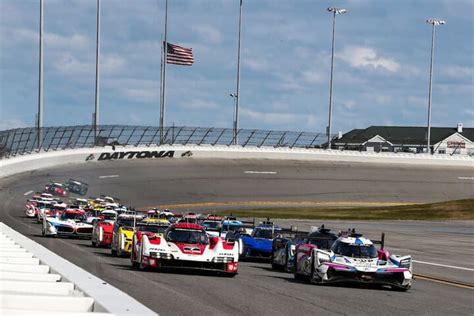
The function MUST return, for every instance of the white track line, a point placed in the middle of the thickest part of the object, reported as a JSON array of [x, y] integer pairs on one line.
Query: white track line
[[109, 176], [29, 192], [260, 172], [466, 178], [443, 265]]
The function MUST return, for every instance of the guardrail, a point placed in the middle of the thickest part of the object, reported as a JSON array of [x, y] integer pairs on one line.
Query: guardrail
[[22, 141]]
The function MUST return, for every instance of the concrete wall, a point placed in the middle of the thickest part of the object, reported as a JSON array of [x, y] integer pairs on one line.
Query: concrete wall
[[102, 155]]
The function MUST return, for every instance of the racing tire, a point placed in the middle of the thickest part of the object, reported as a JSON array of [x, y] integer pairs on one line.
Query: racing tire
[[401, 288], [43, 232], [113, 252], [286, 267], [94, 244]]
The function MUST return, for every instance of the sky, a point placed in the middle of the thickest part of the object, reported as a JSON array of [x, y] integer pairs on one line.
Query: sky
[[381, 72]]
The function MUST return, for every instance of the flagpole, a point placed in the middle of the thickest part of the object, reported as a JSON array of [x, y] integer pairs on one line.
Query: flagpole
[[237, 96], [163, 74], [97, 75], [39, 118]]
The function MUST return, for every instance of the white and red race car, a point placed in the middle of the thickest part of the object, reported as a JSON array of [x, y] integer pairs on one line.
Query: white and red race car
[[186, 245]]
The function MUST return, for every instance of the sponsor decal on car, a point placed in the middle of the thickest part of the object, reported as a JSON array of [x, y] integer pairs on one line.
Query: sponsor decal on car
[[136, 154]]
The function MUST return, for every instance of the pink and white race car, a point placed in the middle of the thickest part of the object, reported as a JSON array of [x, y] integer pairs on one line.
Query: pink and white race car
[[353, 258], [186, 245]]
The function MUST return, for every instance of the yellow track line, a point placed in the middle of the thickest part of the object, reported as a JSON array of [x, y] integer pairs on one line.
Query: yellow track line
[[281, 203], [444, 281]]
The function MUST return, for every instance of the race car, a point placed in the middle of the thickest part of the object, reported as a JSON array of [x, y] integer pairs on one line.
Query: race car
[[75, 186], [103, 229], [70, 223], [122, 235], [186, 245], [285, 246], [353, 258], [258, 245], [56, 189], [212, 224]]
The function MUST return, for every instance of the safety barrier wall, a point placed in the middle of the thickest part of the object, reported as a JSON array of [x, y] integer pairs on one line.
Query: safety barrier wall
[[106, 154], [36, 281]]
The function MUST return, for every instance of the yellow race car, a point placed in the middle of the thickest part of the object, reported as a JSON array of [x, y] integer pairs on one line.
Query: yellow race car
[[122, 234]]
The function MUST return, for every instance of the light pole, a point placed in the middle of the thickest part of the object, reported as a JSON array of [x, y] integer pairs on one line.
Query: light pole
[[39, 116], [335, 11], [97, 73], [434, 23], [236, 95]]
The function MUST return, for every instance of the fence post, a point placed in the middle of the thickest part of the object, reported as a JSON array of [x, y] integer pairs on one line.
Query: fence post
[[264, 139], [248, 139], [296, 140], [219, 137], [190, 136], [205, 135], [280, 141], [143, 134], [315, 137]]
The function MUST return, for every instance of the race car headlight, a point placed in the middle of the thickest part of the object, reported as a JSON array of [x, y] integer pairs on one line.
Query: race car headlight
[[405, 263], [160, 255], [323, 258]]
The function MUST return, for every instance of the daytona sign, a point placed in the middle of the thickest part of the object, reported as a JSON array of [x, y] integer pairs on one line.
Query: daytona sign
[[136, 154]]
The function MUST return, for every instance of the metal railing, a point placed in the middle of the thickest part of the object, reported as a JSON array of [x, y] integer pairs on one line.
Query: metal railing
[[22, 141]]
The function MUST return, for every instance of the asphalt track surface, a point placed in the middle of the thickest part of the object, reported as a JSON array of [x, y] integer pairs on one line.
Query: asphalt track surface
[[258, 290]]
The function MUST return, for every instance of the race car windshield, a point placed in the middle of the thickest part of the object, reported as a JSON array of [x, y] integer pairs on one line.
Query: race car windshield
[[263, 233], [322, 243], [73, 216], [152, 229], [211, 225], [188, 236], [128, 222], [109, 216], [354, 251], [233, 228]]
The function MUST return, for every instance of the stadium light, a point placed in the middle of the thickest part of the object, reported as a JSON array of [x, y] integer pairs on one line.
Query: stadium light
[[335, 11], [434, 23]]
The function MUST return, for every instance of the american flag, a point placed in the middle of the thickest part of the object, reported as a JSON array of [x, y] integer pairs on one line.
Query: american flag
[[178, 55]]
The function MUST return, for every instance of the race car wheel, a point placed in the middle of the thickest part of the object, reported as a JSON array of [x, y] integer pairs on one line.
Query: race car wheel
[[113, 252], [43, 232], [401, 288], [94, 244]]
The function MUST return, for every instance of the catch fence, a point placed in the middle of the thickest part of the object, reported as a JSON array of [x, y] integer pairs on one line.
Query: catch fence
[[23, 141]]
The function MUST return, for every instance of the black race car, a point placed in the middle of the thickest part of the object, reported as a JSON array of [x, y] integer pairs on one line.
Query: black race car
[[75, 186]]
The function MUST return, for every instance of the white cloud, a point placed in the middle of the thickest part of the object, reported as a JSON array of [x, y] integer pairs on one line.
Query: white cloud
[[199, 104], [12, 123], [363, 57], [312, 76], [269, 117], [459, 72], [208, 33], [74, 42], [69, 64], [256, 64]]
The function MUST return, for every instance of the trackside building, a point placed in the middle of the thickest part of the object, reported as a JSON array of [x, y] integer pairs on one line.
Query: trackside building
[[444, 140]]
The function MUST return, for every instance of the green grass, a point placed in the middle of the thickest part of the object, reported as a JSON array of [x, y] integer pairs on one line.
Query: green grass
[[450, 210]]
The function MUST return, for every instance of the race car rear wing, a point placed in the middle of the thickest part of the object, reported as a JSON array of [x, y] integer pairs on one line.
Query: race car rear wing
[[380, 242]]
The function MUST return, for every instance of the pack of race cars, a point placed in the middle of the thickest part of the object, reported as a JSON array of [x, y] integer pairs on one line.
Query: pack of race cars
[[157, 239]]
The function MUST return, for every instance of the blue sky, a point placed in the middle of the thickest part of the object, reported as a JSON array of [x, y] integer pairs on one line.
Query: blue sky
[[381, 64]]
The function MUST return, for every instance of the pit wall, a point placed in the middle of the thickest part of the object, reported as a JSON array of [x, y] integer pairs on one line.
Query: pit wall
[[50, 159]]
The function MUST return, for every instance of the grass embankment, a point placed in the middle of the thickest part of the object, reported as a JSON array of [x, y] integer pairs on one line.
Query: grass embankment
[[450, 210]]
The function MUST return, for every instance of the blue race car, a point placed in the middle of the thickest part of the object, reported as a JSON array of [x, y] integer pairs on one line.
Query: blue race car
[[259, 243]]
